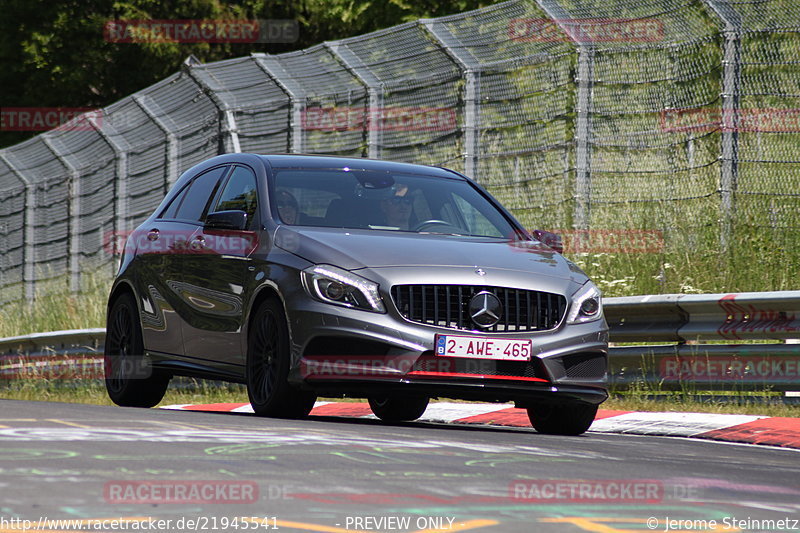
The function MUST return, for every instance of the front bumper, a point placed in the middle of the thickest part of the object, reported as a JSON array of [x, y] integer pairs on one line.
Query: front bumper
[[340, 351], [472, 389]]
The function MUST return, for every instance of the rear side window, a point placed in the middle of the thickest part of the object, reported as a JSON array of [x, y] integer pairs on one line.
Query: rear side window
[[240, 194], [194, 203], [171, 210]]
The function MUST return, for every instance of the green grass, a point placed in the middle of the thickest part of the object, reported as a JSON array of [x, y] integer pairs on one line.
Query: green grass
[[691, 262], [56, 308]]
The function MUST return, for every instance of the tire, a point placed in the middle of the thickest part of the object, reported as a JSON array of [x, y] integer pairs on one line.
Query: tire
[[129, 376], [398, 408], [564, 419], [268, 361]]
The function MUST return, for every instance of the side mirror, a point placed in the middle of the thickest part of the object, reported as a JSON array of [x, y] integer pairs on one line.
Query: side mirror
[[549, 239], [231, 220]]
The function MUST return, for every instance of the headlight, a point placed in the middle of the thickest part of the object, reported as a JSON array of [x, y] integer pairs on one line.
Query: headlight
[[586, 305], [336, 286]]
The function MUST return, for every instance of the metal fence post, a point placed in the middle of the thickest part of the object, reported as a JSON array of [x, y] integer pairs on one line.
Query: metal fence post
[[172, 141], [731, 81], [292, 89], [120, 184], [583, 138], [227, 120], [583, 112], [472, 68], [374, 88], [28, 245], [73, 216]]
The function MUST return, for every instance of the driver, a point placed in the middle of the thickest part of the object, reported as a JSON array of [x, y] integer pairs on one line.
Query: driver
[[397, 209], [287, 207]]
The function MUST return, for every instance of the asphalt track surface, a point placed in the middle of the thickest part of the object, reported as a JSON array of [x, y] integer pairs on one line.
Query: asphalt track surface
[[82, 462]]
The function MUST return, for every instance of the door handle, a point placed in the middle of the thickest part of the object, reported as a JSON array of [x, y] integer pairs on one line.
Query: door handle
[[152, 235], [199, 243]]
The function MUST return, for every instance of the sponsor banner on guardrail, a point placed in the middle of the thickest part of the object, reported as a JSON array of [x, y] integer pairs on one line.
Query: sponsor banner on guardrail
[[743, 318]]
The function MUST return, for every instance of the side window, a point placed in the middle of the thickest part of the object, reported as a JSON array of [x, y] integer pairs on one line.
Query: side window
[[477, 223], [201, 190], [171, 210], [240, 194]]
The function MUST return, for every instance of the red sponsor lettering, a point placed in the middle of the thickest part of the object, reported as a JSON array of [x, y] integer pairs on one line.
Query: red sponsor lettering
[[744, 319]]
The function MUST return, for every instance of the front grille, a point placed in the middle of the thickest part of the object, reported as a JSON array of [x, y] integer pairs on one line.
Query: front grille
[[447, 306]]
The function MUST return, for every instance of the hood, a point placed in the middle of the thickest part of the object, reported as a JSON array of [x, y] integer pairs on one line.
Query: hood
[[353, 249]]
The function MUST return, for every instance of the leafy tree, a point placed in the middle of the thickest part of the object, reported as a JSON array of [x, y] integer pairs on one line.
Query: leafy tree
[[54, 53]]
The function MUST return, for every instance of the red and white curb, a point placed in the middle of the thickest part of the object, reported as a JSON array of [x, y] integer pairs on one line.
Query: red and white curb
[[750, 429]]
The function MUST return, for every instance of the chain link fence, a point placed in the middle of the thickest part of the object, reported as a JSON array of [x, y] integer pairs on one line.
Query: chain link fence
[[675, 115]]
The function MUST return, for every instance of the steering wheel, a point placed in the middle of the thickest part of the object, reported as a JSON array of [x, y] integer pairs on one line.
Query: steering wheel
[[430, 222]]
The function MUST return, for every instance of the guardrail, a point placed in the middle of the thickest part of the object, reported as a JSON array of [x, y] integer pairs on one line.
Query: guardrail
[[715, 317], [687, 319], [82, 341], [70, 354], [680, 319]]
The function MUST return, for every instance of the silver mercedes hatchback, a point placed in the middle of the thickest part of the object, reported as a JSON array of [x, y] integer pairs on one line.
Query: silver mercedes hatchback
[[305, 276]]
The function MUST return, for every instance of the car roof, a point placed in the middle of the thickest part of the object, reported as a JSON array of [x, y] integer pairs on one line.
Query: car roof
[[321, 161]]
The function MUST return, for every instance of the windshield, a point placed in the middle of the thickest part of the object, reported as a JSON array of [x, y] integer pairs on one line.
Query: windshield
[[381, 200]]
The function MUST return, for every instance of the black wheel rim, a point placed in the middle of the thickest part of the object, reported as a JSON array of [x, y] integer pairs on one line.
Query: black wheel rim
[[120, 346], [264, 359], [381, 401]]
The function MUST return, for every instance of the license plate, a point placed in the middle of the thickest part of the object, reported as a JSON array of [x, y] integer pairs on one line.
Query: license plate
[[483, 348]]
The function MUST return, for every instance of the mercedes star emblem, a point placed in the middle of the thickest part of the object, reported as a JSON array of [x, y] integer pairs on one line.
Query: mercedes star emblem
[[485, 309]]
